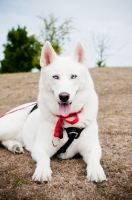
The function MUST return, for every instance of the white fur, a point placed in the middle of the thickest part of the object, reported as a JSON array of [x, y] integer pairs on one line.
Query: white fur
[[35, 131]]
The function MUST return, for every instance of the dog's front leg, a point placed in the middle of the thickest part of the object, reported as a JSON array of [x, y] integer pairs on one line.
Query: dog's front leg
[[92, 157], [43, 171]]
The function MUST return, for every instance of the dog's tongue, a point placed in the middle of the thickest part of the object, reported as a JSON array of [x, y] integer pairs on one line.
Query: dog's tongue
[[64, 109]]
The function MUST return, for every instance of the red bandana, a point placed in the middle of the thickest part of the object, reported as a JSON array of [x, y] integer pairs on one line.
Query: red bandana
[[58, 128]]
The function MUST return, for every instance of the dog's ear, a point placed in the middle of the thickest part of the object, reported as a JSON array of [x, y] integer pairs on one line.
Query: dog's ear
[[79, 53], [47, 55]]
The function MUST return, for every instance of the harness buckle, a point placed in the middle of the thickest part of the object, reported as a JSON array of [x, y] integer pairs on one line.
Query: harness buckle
[[73, 133], [76, 135]]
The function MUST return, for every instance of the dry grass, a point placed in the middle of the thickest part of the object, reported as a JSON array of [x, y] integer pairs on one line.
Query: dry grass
[[114, 86]]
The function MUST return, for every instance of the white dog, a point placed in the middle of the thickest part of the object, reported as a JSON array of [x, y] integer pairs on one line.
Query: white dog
[[65, 117]]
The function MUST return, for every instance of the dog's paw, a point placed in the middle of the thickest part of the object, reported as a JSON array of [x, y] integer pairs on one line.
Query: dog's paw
[[17, 149], [42, 174], [95, 173]]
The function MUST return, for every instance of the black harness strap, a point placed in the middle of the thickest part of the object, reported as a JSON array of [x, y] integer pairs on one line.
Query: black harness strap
[[73, 133], [34, 108]]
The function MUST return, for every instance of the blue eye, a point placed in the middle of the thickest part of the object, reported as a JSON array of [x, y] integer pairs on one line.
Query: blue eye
[[55, 77], [73, 76]]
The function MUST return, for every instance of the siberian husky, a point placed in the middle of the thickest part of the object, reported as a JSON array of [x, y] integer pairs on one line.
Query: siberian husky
[[64, 122]]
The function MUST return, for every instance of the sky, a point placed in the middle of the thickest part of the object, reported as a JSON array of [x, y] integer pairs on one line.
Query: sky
[[112, 18]]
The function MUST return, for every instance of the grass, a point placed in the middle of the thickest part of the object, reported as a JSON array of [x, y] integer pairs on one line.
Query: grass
[[20, 182], [46, 198], [114, 87]]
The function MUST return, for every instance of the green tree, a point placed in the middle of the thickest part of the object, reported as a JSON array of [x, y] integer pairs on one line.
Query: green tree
[[56, 34], [21, 52]]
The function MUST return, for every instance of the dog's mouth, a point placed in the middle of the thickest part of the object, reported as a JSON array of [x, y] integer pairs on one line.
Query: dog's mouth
[[64, 108]]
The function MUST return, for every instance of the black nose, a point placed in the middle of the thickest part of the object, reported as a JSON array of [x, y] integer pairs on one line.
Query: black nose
[[64, 96]]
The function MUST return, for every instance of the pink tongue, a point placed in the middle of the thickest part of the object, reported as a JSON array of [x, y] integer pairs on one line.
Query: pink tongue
[[64, 109]]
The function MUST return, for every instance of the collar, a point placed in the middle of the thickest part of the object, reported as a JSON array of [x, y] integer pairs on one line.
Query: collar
[[58, 132]]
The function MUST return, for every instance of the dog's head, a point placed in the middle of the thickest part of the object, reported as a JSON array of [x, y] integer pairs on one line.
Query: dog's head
[[65, 82]]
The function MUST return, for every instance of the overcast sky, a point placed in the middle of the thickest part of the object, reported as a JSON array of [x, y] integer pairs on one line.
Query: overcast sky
[[110, 17]]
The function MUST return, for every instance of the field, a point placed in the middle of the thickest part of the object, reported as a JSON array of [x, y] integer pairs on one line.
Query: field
[[114, 87]]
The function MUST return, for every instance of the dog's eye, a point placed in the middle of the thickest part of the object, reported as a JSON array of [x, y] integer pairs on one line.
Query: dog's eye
[[55, 77], [73, 76]]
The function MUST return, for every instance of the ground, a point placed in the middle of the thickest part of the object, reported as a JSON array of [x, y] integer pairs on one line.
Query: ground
[[114, 87]]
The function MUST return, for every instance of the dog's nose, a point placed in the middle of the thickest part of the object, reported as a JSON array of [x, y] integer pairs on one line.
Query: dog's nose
[[64, 96]]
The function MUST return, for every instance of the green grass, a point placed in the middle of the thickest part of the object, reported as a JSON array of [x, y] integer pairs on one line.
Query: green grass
[[20, 182]]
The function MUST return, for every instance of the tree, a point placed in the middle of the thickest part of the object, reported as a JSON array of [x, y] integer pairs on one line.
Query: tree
[[21, 52], [54, 33], [102, 43]]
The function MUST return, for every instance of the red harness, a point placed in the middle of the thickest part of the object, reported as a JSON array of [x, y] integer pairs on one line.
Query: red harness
[[58, 132]]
